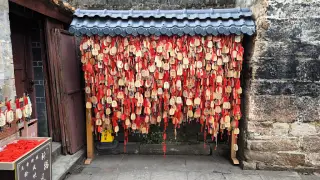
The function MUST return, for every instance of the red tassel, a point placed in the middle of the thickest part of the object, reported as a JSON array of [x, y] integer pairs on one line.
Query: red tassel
[[164, 149]]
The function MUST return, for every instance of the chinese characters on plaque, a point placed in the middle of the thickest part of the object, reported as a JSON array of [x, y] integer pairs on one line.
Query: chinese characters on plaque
[[37, 166]]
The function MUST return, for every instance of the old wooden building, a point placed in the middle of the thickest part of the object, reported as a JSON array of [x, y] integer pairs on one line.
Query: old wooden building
[[39, 59]]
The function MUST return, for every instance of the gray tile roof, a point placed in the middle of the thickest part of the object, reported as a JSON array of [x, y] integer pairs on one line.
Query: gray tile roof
[[163, 22]]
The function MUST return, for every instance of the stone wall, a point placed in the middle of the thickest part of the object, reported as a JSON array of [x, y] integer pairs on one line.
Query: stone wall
[[281, 122], [151, 4], [7, 84], [282, 97]]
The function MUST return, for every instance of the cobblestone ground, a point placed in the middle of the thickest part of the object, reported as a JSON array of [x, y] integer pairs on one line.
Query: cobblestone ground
[[142, 167]]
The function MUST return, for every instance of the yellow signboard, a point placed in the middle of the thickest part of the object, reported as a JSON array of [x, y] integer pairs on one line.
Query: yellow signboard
[[106, 136]]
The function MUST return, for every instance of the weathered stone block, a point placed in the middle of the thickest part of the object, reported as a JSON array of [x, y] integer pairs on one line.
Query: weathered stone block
[[293, 9], [272, 167], [313, 159], [311, 89], [6, 56], [293, 48], [272, 108], [244, 3], [302, 129], [257, 130], [6, 91], [275, 144], [283, 108], [247, 165], [280, 129], [297, 30], [309, 109], [269, 87], [4, 24], [275, 69], [311, 143], [287, 87], [309, 70], [4, 4], [292, 159]]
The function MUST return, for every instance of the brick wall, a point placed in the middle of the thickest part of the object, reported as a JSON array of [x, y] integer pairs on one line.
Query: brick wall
[[7, 86], [37, 53]]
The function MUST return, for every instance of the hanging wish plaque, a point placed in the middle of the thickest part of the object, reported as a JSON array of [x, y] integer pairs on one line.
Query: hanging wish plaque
[[165, 79]]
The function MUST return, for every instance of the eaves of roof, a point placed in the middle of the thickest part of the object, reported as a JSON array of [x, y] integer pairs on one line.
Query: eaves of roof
[[163, 22]]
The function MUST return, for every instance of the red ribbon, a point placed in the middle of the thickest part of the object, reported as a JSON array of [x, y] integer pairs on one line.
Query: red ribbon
[[14, 151]]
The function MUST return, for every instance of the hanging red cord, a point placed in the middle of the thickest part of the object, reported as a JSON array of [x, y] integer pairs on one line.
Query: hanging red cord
[[163, 71]]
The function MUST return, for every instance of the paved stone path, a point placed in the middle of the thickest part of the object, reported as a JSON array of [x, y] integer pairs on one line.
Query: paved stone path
[[142, 167]]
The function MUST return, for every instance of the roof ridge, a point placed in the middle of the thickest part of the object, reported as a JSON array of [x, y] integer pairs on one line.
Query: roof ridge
[[162, 13], [207, 10]]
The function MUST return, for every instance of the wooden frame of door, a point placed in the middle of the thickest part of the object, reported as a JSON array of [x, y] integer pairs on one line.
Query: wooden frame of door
[[47, 8]]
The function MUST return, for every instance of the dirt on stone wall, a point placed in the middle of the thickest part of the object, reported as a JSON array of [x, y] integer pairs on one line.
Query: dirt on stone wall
[[151, 4], [283, 91], [7, 84]]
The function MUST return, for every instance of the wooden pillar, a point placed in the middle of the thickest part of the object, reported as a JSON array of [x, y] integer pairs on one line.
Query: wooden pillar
[[233, 156], [90, 144]]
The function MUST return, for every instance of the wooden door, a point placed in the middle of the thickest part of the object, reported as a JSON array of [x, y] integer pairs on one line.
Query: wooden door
[[71, 96], [51, 99], [22, 58]]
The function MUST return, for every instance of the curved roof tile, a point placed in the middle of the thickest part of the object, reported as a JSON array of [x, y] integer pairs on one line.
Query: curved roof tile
[[162, 22]]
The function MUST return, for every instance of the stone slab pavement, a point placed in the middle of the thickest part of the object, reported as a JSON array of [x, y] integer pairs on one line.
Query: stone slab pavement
[[175, 167]]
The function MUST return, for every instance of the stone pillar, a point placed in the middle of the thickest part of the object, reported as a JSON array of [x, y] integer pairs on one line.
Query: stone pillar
[[7, 84]]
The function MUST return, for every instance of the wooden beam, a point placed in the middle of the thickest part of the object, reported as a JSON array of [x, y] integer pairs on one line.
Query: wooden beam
[[60, 96], [46, 8], [87, 161], [46, 80], [90, 144]]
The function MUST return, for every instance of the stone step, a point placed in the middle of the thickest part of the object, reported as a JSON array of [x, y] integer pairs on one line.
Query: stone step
[[64, 164], [56, 151], [157, 149], [173, 149]]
